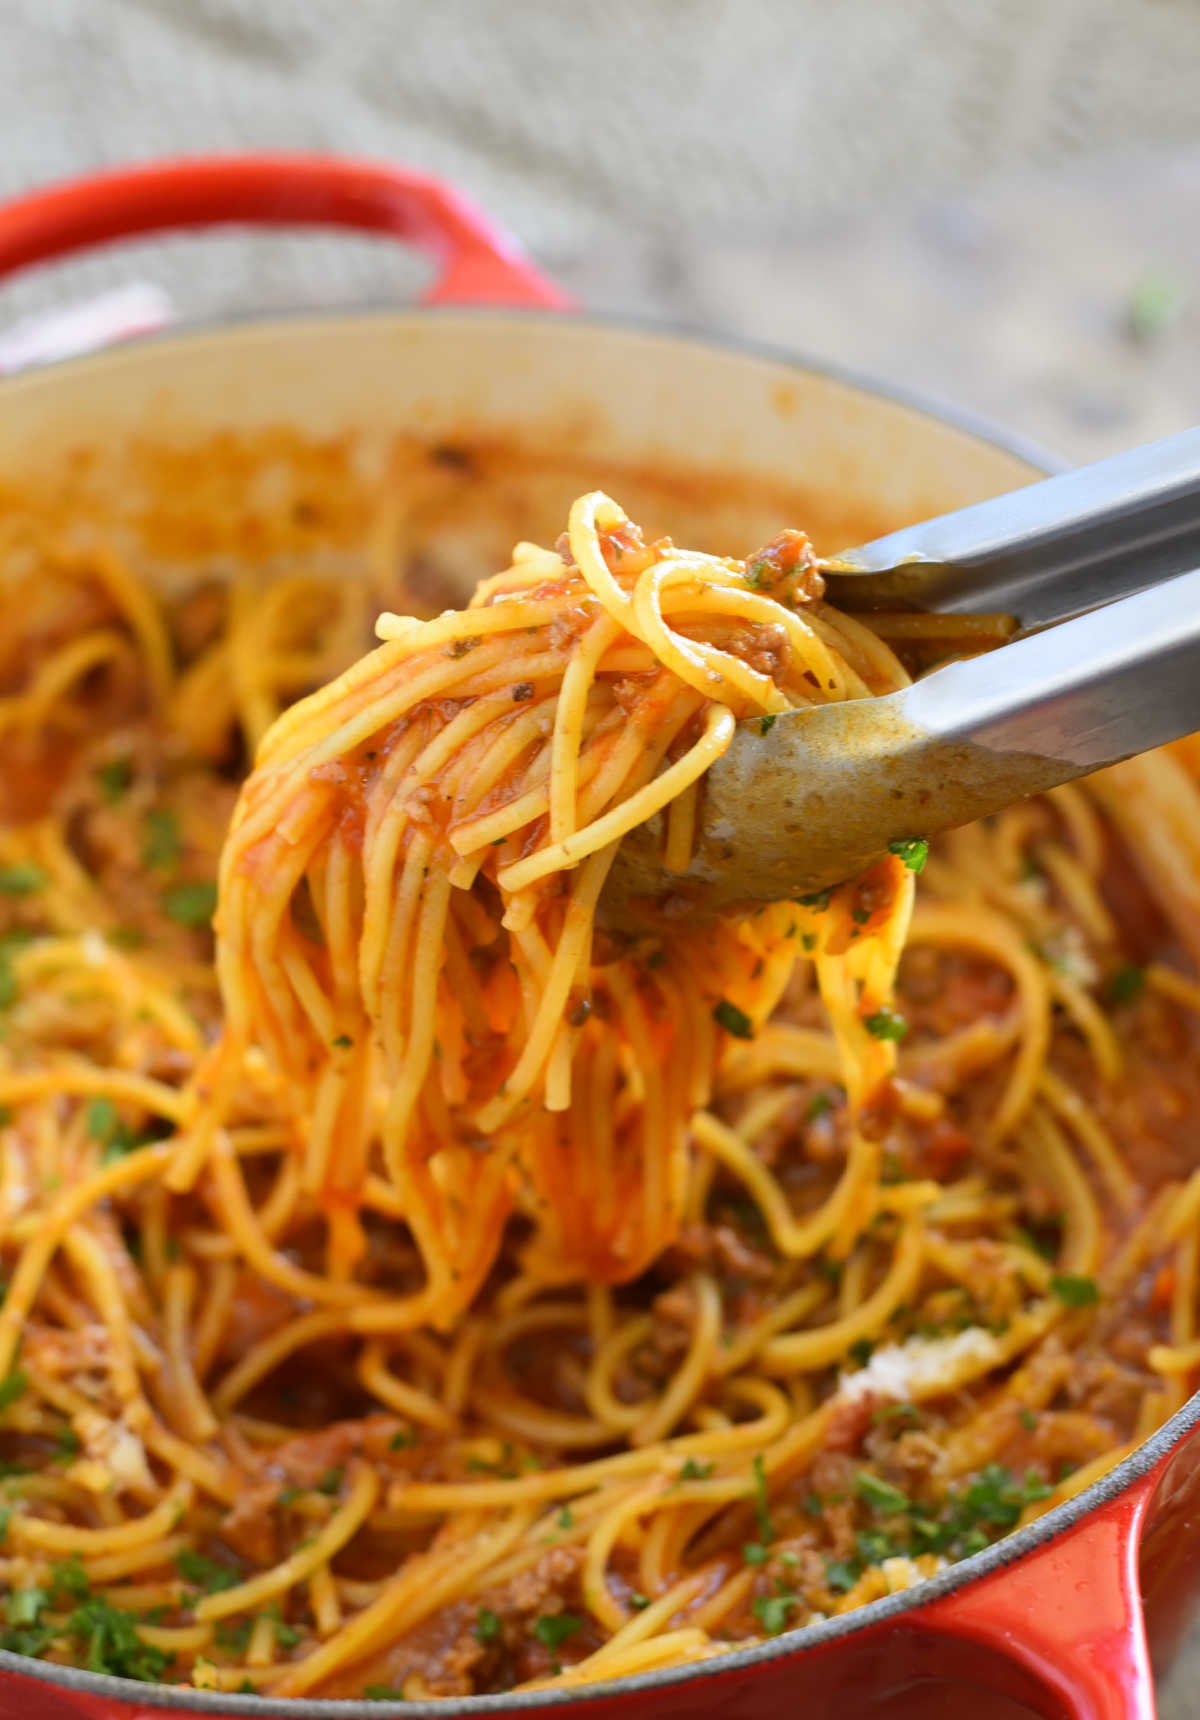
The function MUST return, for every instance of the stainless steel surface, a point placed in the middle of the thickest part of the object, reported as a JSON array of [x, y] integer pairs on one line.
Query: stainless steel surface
[[823, 793], [1044, 552]]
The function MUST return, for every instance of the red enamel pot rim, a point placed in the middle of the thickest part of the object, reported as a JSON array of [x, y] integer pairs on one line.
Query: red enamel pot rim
[[483, 267]]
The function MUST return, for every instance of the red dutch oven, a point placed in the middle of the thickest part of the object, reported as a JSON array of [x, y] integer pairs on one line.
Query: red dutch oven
[[1069, 1618]]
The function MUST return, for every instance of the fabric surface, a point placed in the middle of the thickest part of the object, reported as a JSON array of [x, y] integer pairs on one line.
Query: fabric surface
[[986, 199]]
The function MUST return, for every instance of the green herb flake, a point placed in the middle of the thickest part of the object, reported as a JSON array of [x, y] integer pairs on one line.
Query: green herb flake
[[638, 1601], [162, 844], [235, 1635], [384, 1693], [1126, 984], [343, 1042], [842, 1574], [12, 1387], [331, 1481], [68, 1577], [860, 1351], [913, 850], [1075, 1290], [880, 1495], [886, 1024], [734, 1020], [694, 1470], [101, 1117], [905, 1413], [114, 778], [66, 1445], [21, 879], [204, 1573], [817, 900], [191, 905], [759, 573], [402, 1439], [762, 1512], [108, 1641], [487, 1625], [767, 723], [774, 1611], [565, 1518], [553, 1629], [819, 1105], [1028, 1420], [25, 1606], [286, 1635], [755, 1553]]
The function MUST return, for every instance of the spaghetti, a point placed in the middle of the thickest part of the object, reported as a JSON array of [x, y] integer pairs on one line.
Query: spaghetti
[[435, 1296]]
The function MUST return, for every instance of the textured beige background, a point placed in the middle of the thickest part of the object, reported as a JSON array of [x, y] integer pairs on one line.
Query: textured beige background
[[995, 201]]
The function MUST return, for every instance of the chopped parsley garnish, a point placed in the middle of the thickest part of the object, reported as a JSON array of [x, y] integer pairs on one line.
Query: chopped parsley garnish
[[880, 1495], [886, 1024], [874, 1546], [842, 1574], [204, 1573], [767, 723], [101, 1119], [762, 1512], [107, 1129], [107, 1641], [162, 844], [908, 1413], [383, 1693], [1075, 1290], [638, 1601], [343, 1042], [773, 1611], [693, 1470], [487, 1625], [21, 879], [759, 573], [402, 1439], [913, 850], [755, 1553], [818, 900], [553, 1629], [68, 1577], [1027, 1419], [114, 778], [1127, 983], [565, 1518], [330, 1481], [235, 1634], [191, 905], [286, 1635], [66, 1444], [733, 1020], [818, 1106], [860, 1351], [25, 1606], [12, 1386]]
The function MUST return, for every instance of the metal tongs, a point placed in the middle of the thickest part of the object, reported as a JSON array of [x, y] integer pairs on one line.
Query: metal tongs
[[1100, 569]]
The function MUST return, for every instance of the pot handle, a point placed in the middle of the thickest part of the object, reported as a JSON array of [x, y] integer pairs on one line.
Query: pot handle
[[481, 264], [1066, 1619]]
